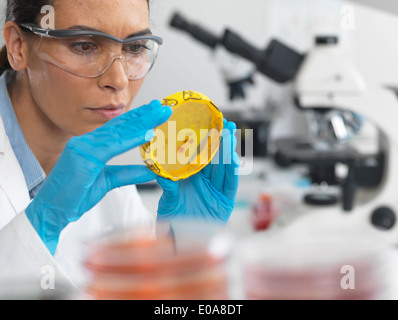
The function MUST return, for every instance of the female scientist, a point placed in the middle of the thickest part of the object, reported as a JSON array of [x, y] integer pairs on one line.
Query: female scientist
[[65, 95]]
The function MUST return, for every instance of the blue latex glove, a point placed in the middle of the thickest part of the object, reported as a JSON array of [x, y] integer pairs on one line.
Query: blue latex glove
[[208, 195], [81, 178]]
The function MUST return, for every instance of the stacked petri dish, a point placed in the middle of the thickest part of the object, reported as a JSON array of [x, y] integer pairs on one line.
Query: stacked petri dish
[[135, 266], [287, 268]]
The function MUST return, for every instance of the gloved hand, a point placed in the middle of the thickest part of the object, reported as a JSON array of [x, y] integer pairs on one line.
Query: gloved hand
[[208, 195], [81, 178]]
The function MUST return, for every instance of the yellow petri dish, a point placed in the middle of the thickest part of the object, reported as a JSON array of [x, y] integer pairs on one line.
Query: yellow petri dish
[[189, 140]]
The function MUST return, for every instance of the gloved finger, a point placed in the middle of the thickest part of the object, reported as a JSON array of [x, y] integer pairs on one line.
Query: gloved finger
[[170, 197], [123, 133], [150, 116], [207, 171], [231, 181], [227, 145], [119, 176], [169, 187]]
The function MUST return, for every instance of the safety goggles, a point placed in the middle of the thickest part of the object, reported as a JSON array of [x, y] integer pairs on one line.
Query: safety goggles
[[90, 54]]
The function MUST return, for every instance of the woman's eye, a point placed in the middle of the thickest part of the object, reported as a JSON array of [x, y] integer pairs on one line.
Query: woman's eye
[[135, 48], [83, 47]]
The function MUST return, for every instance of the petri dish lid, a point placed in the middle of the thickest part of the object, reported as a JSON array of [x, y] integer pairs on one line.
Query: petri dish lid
[[189, 140]]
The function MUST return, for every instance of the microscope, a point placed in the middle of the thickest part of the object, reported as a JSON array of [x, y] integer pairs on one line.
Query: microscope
[[328, 82], [329, 88]]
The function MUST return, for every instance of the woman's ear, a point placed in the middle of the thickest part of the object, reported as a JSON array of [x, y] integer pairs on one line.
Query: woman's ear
[[17, 46]]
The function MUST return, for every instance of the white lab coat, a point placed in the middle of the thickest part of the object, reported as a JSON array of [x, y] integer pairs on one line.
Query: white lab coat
[[23, 256]]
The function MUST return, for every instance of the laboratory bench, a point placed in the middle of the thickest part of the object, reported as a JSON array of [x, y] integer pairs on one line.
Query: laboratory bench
[[250, 240]]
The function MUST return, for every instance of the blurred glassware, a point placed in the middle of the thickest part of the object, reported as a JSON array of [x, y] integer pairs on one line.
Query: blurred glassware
[[265, 211], [301, 266], [139, 265]]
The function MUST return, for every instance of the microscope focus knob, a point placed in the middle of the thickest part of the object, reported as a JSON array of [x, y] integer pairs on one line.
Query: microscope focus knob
[[383, 218]]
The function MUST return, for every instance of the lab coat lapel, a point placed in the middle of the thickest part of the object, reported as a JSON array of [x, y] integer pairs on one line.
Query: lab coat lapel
[[12, 180]]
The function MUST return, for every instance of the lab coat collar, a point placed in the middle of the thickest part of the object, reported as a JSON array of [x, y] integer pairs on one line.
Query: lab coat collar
[[12, 180]]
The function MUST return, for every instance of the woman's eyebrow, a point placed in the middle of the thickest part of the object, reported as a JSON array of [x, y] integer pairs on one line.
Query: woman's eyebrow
[[135, 34]]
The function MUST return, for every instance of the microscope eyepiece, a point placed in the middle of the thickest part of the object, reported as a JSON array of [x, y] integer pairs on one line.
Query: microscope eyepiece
[[196, 31], [178, 22]]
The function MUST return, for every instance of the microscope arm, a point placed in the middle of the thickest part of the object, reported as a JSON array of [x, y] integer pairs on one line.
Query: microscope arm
[[277, 62]]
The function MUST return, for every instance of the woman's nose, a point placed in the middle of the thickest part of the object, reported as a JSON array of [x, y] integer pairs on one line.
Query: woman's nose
[[115, 76]]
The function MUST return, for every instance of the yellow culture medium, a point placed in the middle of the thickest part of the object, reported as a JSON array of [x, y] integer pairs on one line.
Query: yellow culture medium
[[188, 141]]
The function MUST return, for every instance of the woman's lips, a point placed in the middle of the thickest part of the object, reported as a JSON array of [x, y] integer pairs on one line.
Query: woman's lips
[[108, 113]]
